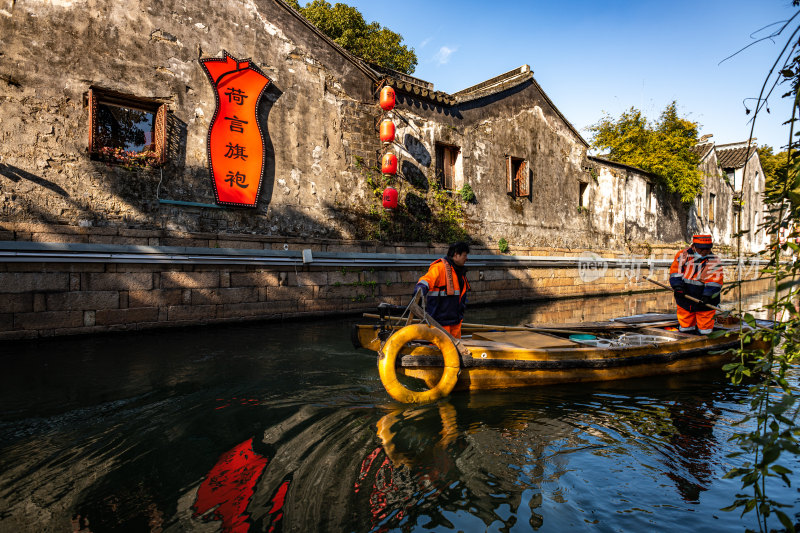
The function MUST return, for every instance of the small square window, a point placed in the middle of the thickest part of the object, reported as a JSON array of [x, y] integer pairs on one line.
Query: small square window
[[447, 160], [518, 181], [126, 129]]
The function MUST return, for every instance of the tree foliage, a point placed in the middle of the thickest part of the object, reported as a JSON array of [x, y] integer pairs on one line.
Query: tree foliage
[[769, 435], [347, 27], [663, 148], [775, 167]]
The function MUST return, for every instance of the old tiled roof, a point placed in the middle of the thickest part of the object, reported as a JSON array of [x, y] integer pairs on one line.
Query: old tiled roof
[[733, 155], [604, 160], [411, 85], [422, 89], [495, 85], [702, 150]]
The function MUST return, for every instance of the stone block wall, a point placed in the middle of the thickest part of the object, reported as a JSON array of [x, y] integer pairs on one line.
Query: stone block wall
[[47, 299]]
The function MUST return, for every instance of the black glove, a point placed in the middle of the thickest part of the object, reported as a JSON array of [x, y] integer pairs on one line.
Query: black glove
[[679, 290], [422, 287], [706, 299]]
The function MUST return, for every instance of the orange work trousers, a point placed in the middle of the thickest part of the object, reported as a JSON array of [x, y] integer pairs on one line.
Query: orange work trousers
[[704, 320], [454, 330]]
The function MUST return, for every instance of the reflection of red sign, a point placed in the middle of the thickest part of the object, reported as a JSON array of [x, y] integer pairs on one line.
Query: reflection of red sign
[[235, 145], [227, 489]]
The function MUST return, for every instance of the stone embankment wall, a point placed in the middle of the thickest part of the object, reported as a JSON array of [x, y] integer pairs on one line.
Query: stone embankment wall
[[63, 298]]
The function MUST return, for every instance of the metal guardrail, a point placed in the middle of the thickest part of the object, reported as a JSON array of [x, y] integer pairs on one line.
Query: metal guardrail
[[29, 252]]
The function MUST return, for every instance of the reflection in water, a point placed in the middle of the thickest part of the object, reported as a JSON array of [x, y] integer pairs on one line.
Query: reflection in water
[[247, 429], [227, 489]]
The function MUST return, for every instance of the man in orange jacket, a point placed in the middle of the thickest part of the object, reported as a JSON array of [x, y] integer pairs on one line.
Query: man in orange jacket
[[445, 288], [696, 272]]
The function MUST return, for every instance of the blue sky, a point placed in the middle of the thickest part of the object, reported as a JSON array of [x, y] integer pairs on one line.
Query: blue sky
[[596, 57]]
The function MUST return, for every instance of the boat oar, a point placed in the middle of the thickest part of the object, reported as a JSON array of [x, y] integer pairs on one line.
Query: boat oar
[[489, 327], [691, 298], [463, 325]]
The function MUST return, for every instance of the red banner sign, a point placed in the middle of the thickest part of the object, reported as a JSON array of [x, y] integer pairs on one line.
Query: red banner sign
[[235, 143]]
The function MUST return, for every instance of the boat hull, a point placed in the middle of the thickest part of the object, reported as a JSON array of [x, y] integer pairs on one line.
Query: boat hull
[[487, 378], [505, 362]]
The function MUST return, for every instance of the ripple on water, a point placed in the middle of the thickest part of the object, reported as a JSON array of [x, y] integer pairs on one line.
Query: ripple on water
[[255, 430]]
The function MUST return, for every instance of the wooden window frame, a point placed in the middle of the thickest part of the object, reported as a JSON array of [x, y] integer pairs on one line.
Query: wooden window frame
[[712, 207], [518, 177], [97, 96], [446, 158]]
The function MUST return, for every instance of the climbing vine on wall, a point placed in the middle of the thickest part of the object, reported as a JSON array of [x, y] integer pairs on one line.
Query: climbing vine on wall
[[432, 215]]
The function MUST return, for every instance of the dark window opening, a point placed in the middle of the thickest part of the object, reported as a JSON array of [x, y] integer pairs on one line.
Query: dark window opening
[[446, 157], [126, 129], [518, 182]]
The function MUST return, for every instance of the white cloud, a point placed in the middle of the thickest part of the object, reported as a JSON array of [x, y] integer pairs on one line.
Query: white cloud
[[443, 55], [425, 42]]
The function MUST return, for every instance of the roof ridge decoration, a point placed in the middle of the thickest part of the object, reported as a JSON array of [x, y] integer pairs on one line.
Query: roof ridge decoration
[[492, 83], [703, 149], [736, 145]]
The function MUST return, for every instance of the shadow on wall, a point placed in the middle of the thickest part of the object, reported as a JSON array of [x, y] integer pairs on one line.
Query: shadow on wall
[[17, 174], [414, 176], [417, 150], [271, 95], [492, 98], [176, 141]]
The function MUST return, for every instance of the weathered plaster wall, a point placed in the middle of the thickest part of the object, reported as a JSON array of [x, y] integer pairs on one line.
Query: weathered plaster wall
[[319, 116], [751, 185], [52, 52], [619, 207], [718, 225], [518, 122]]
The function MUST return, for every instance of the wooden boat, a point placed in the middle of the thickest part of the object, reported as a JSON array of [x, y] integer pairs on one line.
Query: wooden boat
[[499, 357]]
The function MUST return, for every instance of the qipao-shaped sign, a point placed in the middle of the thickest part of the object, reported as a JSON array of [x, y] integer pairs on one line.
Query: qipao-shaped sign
[[235, 143]]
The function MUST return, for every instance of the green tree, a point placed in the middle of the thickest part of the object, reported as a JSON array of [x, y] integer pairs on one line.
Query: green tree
[[663, 148], [774, 166], [347, 27]]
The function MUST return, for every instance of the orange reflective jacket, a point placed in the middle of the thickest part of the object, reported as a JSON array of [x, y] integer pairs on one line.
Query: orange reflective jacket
[[698, 276], [446, 292]]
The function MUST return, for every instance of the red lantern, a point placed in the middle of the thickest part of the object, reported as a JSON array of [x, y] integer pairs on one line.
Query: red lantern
[[390, 198], [387, 131], [387, 98], [389, 164]]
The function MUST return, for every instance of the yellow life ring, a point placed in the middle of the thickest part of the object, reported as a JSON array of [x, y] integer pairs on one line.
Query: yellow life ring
[[387, 359]]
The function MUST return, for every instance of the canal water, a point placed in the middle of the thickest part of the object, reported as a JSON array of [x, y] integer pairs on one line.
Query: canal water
[[285, 427]]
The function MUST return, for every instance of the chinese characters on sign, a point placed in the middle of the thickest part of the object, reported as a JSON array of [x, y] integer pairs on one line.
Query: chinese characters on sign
[[235, 143]]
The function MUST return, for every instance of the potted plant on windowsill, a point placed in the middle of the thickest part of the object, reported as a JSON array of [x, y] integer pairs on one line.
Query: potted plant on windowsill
[[128, 159]]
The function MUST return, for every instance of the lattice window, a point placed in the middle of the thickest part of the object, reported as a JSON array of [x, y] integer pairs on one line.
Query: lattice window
[[518, 180]]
